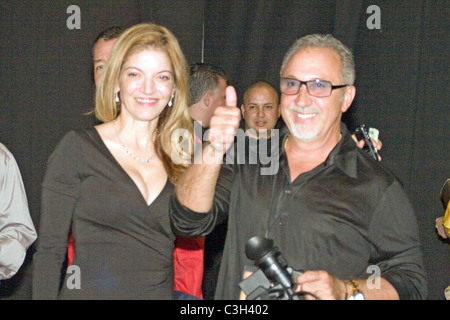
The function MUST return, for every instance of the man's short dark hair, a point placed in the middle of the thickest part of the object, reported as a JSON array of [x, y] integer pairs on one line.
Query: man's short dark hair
[[110, 33], [203, 77]]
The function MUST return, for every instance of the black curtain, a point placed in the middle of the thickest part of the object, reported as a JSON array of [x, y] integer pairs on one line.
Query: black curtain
[[403, 89], [402, 81], [249, 38]]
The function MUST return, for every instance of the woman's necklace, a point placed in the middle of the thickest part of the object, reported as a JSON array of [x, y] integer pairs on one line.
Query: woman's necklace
[[127, 151]]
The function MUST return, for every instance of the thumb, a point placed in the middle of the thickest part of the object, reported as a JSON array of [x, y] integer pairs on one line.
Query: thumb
[[230, 97]]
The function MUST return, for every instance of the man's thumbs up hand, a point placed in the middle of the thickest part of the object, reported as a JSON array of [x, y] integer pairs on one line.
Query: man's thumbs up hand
[[224, 123]]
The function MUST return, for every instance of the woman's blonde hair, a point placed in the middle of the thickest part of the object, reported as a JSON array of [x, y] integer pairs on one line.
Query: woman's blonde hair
[[131, 41]]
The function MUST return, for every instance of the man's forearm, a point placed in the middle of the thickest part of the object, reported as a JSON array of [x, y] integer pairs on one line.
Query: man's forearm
[[196, 188]]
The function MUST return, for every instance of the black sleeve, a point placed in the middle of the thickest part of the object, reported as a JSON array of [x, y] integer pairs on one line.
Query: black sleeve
[[188, 223], [397, 252], [60, 192]]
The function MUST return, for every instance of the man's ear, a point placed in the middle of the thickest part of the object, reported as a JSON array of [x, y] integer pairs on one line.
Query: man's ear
[[242, 110], [206, 98], [349, 95]]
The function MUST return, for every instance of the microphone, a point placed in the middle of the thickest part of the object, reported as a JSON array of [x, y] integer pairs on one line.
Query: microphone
[[269, 260]]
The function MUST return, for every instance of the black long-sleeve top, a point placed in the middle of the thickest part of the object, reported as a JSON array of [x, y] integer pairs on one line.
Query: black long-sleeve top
[[345, 215], [123, 246]]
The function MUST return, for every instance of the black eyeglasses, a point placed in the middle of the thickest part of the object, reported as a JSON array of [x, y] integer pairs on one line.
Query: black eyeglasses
[[316, 88]]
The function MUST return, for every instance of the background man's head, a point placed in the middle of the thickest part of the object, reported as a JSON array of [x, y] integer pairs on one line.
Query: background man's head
[[260, 107], [207, 84], [101, 49]]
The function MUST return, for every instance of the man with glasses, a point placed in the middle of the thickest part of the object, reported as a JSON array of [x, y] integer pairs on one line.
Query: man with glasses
[[333, 212]]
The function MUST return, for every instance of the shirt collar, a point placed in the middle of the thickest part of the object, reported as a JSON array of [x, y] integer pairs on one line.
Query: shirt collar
[[343, 155]]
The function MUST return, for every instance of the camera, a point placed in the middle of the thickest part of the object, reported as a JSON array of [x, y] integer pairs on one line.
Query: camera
[[273, 279]]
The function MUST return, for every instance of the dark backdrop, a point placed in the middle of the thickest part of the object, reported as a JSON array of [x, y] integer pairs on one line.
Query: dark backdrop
[[402, 81]]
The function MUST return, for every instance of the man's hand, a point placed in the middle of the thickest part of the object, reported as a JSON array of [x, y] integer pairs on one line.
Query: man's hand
[[224, 123], [326, 287], [442, 231], [377, 144], [321, 284]]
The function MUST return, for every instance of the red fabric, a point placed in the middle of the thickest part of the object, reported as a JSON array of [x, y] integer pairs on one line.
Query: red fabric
[[188, 265], [70, 250]]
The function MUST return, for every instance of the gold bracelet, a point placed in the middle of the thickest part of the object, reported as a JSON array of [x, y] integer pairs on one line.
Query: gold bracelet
[[356, 292], [355, 287]]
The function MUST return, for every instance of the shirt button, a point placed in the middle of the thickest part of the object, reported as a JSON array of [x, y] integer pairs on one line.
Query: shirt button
[[288, 191]]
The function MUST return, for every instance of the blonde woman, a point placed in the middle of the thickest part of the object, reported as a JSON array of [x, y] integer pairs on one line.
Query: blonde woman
[[111, 184]]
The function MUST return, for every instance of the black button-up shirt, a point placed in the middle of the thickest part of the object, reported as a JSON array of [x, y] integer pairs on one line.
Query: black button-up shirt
[[348, 216]]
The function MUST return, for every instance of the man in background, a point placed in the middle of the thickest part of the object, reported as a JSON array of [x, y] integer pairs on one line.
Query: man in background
[[101, 49], [260, 109], [207, 84]]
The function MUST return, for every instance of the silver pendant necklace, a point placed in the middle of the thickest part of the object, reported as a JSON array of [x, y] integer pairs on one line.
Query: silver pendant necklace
[[127, 151]]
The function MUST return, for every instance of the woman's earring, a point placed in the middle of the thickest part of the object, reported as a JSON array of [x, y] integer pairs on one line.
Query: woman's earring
[[170, 101], [117, 97]]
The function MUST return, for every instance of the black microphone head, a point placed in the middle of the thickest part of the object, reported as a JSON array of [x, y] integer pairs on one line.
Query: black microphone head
[[257, 246], [268, 259]]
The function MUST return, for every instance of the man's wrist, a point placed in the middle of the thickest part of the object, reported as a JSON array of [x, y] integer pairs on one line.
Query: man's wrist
[[212, 155]]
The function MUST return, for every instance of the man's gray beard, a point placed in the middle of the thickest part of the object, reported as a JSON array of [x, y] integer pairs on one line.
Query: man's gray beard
[[304, 136]]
